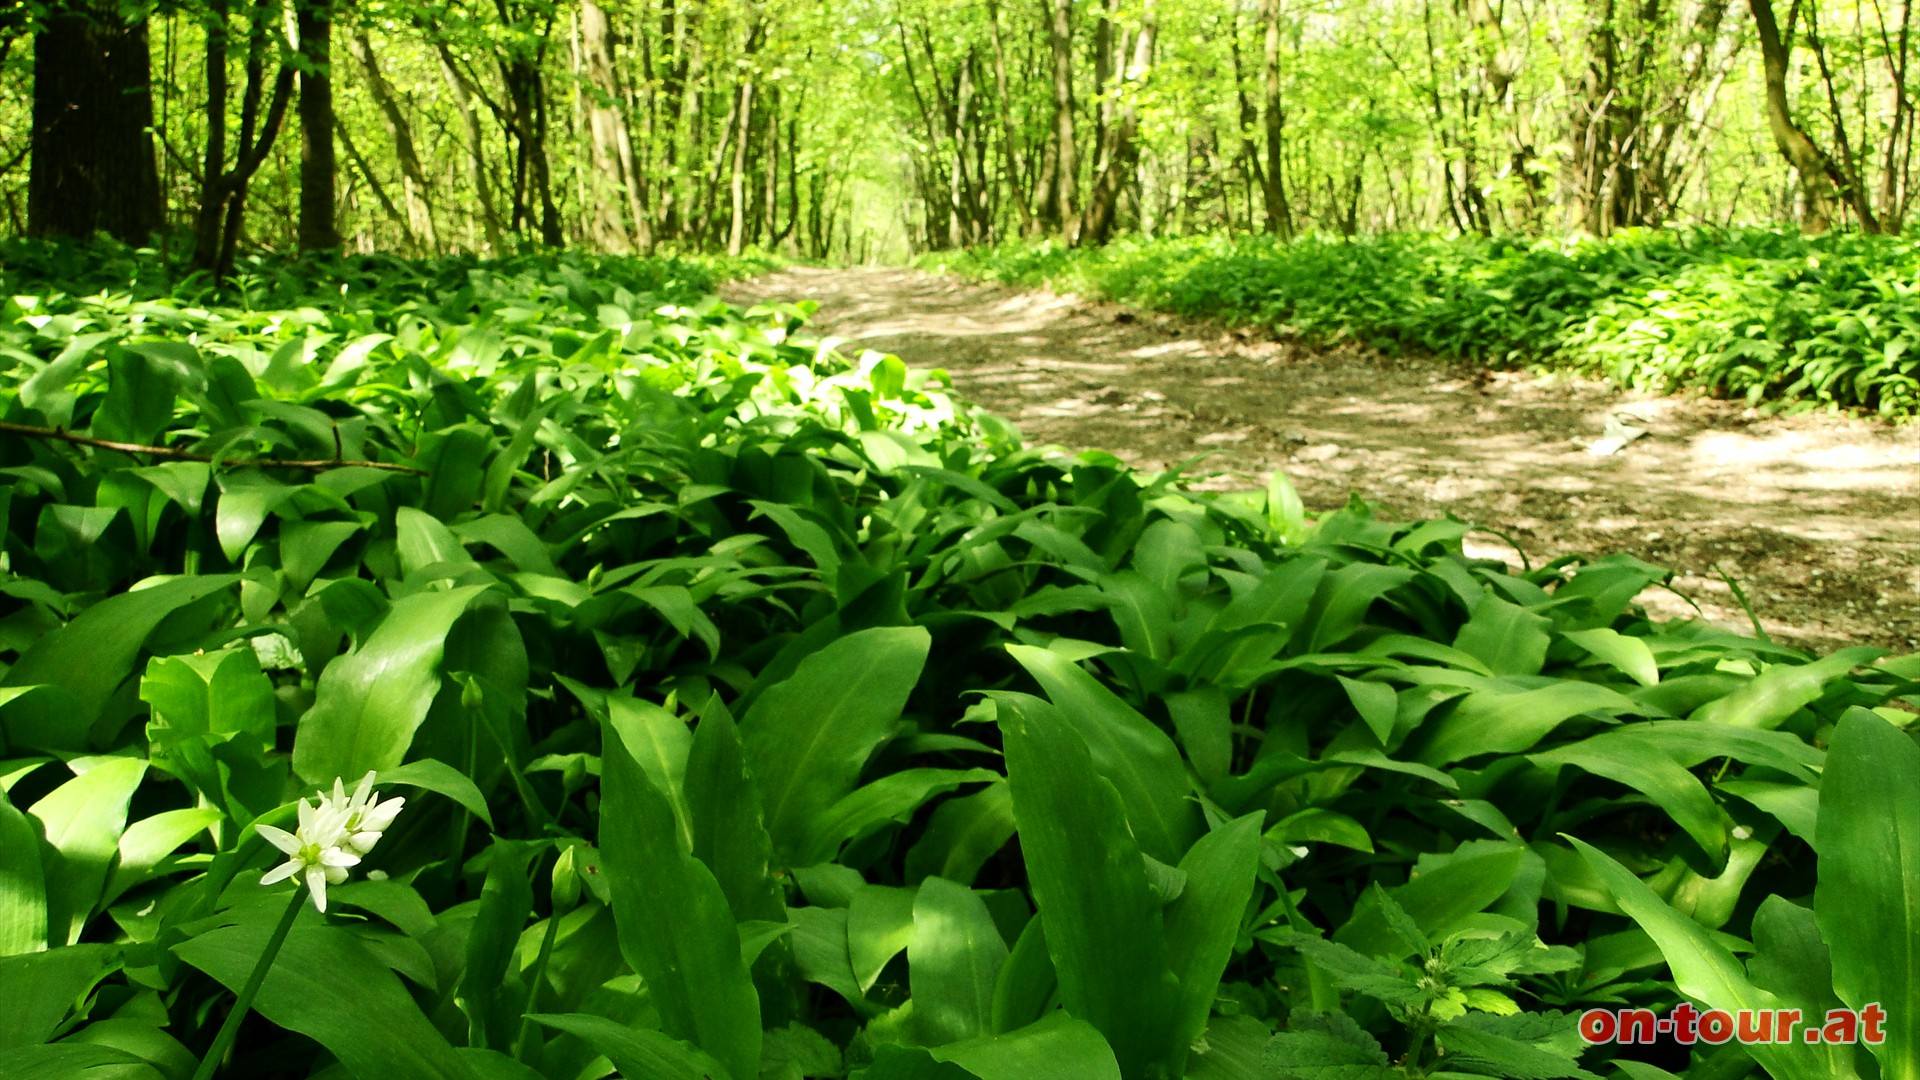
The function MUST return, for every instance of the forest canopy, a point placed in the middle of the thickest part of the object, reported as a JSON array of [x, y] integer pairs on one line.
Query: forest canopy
[[850, 130]]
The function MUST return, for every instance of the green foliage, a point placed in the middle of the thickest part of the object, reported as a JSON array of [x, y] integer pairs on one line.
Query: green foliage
[[1751, 314], [721, 672]]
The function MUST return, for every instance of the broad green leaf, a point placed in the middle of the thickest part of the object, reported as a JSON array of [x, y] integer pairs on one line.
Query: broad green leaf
[[637, 1052], [1345, 595], [23, 884], [369, 703], [1377, 703], [1104, 926], [660, 744], [1795, 806], [149, 840], [879, 928], [218, 693], [326, 985], [1286, 515], [1790, 959], [807, 738], [1057, 1048], [306, 546], [729, 829], [1203, 924], [424, 541], [429, 774], [820, 950], [1624, 757], [1512, 720], [963, 833], [1138, 758], [82, 821], [39, 990], [1508, 638], [891, 798], [1783, 689], [506, 903], [1317, 825], [141, 1038], [1628, 655], [954, 955], [676, 929], [1027, 980], [1490, 1054], [66, 1060], [90, 656], [245, 501], [1435, 900], [1204, 722], [1702, 967], [1869, 872]]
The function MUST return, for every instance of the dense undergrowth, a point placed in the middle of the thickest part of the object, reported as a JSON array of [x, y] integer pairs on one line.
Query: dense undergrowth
[[762, 711], [1760, 315]]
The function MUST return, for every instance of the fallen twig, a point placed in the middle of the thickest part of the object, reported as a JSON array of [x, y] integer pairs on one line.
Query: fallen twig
[[35, 432]]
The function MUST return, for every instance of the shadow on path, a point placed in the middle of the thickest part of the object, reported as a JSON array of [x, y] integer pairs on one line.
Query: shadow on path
[[1813, 515]]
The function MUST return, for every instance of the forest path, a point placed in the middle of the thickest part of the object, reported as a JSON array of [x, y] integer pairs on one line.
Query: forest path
[[1813, 515]]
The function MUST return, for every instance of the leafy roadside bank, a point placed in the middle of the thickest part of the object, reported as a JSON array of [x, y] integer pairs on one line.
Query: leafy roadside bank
[[1765, 316]]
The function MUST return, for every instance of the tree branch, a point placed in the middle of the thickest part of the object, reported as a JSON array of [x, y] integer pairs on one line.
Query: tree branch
[[32, 431]]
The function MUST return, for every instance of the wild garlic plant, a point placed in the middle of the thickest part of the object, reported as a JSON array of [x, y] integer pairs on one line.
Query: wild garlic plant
[[331, 838]]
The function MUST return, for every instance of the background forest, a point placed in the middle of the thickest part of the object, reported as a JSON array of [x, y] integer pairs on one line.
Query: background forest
[[852, 130]]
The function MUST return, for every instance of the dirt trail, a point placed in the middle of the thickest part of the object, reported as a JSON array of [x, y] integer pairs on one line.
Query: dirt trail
[[1812, 515]]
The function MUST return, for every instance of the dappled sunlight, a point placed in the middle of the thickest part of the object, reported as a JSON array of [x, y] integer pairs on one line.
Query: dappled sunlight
[[1810, 513]]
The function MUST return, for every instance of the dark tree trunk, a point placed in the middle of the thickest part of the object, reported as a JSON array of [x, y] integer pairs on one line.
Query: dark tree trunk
[[93, 168], [314, 21]]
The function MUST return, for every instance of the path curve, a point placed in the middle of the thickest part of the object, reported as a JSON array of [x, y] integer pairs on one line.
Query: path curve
[[1813, 515]]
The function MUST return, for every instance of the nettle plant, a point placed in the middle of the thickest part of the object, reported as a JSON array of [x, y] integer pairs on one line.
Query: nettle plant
[[765, 712]]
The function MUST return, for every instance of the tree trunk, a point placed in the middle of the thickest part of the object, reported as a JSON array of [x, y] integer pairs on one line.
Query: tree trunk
[[223, 188], [1066, 170], [1274, 123], [416, 185], [606, 129], [1807, 159], [93, 168], [737, 178], [313, 20], [1122, 154], [1016, 177], [476, 149]]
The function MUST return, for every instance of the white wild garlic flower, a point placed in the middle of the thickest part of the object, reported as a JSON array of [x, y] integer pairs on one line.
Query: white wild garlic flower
[[331, 838]]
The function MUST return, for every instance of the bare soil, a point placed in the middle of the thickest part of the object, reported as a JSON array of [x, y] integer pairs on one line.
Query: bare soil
[[1812, 514]]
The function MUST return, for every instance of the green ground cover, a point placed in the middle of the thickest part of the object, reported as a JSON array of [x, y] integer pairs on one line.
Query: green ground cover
[[1767, 316], [764, 711]]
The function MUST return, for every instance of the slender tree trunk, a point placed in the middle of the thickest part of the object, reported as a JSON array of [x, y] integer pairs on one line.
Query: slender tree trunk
[[476, 149], [1016, 176], [1894, 163], [737, 178], [223, 197], [373, 184], [415, 185], [1845, 168], [1806, 157], [313, 20], [93, 167], [1122, 157], [1066, 171], [1274, 117]]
